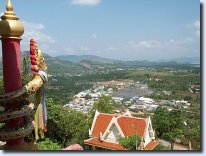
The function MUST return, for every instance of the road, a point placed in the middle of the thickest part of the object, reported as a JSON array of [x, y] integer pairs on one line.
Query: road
[[176, 146]]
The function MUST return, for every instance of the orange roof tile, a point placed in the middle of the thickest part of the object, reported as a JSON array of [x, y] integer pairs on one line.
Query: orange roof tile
[[151, 145], [104, 144], [131, 126], [128, 125], [101, 124]]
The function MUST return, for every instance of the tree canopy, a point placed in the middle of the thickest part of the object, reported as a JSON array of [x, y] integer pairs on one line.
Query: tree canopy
[[47, 144], [105, 104], [65, 125], [130, 142], [161, 147], [168, 124]]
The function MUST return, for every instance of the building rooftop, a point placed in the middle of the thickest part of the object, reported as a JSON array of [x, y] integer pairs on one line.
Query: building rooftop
[[104, 144], [107, 129]]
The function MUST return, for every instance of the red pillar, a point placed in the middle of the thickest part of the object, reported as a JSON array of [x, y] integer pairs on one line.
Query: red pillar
[[12, 78]]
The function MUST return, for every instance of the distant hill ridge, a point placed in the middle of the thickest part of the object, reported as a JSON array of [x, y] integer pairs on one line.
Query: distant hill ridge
[[80, 64], [76, 58], [192, 60]]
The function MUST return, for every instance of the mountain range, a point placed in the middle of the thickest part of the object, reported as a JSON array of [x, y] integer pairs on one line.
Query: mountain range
[[76, 59], [92, 58], [188, 60], [87, 63]]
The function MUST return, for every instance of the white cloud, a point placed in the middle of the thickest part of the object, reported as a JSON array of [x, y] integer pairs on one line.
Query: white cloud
[[195, 27], [172, 41], [197, 33], [86, 2], [196, 24], [33, 26], [94, 36], [145, 44], [171, 44], [111, 48], [154, 49], [84, 48], [33, 30], [69, 50], [39, 36]]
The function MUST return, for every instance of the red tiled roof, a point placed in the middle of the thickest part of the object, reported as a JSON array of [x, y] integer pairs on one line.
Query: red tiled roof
[[151, 145], [104, 144], [131, 126], [128, 125], [101, 124]]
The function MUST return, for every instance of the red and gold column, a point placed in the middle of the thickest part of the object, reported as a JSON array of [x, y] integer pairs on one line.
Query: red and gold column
[[11, 30]]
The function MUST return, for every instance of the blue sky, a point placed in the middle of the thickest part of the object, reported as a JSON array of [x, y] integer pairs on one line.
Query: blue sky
[[117, 29]]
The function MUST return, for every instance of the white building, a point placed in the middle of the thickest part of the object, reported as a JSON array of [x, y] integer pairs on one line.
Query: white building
[[107, 129]]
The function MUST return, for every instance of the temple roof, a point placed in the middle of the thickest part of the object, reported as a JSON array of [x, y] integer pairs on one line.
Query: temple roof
[[101, 124], [131, 126], [104, 144], [128, 125], [151, 145], [125, 124]]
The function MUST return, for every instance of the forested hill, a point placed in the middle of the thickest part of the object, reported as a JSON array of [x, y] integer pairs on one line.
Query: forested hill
[[73, 64], [76, 59]]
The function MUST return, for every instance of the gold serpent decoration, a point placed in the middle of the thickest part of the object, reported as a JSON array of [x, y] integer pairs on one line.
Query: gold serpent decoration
[[39, 70]]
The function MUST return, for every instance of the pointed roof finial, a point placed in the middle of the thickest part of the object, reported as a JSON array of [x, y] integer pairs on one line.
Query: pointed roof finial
[[9, 14], [9, 6], [10, 26]]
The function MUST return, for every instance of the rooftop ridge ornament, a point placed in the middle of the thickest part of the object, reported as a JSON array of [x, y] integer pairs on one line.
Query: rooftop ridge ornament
[[10, 26]]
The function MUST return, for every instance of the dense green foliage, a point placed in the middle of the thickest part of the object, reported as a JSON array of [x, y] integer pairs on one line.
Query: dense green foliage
[[131, 142], [192, 130], [69, 79], [66, 126], [172, 125], [105, 104], [168, 124], [164, 80], [177, 82], [161, 147], [47, 144], [193, 136], [62, 89]]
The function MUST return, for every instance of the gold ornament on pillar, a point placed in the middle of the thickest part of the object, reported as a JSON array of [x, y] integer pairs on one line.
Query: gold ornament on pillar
[[10, 26]]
